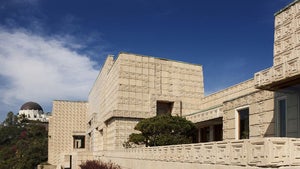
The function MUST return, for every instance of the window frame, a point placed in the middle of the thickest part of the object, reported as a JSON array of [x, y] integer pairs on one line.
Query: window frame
[[237, 121], [76, 139], [278, 116]]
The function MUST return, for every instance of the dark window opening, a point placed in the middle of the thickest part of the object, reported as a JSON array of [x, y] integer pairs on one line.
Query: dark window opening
[[78, 142], [204, 134], [243, 123], [282, 117], [163, 107], [218, 132]]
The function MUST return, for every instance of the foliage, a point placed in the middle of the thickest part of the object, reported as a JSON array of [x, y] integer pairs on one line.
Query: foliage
[[11, 119], [93, 164], [164, 130], [22, 145]]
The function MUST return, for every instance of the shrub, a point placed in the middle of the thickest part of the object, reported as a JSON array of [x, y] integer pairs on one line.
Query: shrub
[[94, 164]]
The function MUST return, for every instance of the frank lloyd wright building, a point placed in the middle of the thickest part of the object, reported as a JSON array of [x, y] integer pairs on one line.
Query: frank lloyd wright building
[[253, 124]]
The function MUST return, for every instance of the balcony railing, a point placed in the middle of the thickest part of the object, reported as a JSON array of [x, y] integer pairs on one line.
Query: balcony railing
[[262, 152]]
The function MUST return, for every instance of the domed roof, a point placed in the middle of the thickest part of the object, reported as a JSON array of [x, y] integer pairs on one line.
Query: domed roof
[[31, 106]]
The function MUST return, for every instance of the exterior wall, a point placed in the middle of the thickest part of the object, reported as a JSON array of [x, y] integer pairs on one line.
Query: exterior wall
[[102, 101], [68, 118], [230, 93], [261, 115], [212, 105], [128, 88], [145, 80], [118, 130], [287, 34], [286, 60]]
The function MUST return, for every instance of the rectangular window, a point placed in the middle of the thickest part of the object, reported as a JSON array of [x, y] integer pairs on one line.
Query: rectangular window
[[78, 142], [164, 107], [243, 123], [282, 117]]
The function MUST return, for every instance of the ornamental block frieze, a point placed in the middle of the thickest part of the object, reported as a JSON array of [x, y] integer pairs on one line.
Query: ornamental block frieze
[[257, 153], [238, 153], [278, 72], [278, 33], [188, 154], [198, 153], [294, 147], [293, 67], [208, 153], [278, 47], [287, 43], [287, 15], [222, 153], [278, 20]]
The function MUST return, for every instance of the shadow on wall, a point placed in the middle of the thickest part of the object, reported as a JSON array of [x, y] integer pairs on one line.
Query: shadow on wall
[[270, 129]]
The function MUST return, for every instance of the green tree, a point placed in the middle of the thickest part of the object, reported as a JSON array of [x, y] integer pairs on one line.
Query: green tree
[[164, 130], [23, 145], [11, 119]]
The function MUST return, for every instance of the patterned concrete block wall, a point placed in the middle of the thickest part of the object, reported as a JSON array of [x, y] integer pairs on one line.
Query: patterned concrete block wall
[[286, 49], [211, 107], [229, 93], [68, 118], [124, 127], [95, 99], [144, 80], [128, 88], [102, 100], [287, 34], [261, 115]]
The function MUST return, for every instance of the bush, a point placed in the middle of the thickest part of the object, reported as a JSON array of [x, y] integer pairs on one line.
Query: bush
[[94, 164]]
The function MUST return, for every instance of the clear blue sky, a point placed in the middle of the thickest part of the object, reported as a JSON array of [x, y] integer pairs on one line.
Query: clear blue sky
[[52, 49]]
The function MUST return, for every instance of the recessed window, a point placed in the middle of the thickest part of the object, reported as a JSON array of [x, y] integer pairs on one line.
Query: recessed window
[[78, 142], [164, 107], [242, 123], [282, 117]]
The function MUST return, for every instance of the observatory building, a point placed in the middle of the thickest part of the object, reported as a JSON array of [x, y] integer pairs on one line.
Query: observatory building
[[33, 111]]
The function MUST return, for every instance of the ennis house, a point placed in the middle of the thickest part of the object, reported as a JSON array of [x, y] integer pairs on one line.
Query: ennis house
[[252, 124]]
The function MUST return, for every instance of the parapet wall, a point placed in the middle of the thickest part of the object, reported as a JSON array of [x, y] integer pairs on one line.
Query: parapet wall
[[230, 93], [250, 153]]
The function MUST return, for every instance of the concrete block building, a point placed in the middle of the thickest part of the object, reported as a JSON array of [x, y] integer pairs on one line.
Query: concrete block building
[[253, 124]]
